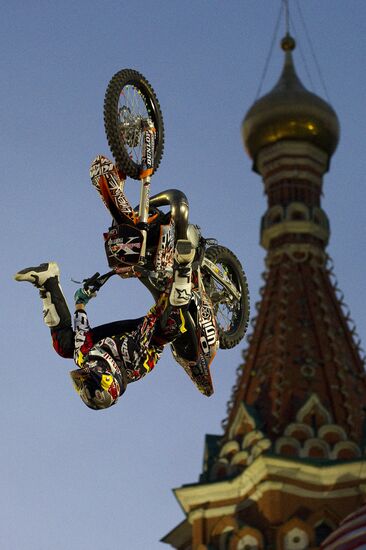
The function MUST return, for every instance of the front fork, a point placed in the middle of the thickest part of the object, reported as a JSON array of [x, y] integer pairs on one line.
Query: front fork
[[147, 168], [221, 277]]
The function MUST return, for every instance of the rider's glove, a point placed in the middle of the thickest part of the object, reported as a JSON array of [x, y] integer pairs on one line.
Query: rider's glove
[[82, 296]]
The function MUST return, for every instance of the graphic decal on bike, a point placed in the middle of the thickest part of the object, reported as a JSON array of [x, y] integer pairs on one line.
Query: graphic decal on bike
[[106, 179], [199, 369], [209, 336], [123, 245], [165, 252], [120, 248], [99, 167]]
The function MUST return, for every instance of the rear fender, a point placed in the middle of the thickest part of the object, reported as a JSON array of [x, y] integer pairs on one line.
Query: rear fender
[[207, 340]]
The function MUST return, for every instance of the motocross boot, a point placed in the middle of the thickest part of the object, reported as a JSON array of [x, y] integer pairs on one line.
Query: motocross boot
[[181, 291], [45, 277]]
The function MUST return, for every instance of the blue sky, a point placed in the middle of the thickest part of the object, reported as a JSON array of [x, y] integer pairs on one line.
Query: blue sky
[[72, 478]]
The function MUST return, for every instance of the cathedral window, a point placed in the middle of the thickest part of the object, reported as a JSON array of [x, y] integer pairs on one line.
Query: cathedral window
[[247, 538], [322, 531], [296, 539]]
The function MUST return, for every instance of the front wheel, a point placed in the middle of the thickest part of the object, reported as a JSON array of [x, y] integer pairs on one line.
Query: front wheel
[[130, 102], [232, 315]]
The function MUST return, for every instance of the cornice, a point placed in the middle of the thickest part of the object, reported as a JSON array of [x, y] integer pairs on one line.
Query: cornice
[[269, 473]]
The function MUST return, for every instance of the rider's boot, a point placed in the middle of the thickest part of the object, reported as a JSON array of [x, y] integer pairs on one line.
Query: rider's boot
[[184, 252], [181, 291], [45, 277]]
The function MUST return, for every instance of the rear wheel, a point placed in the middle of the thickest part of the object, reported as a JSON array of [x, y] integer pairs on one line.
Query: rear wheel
[[232, 315], [129, 103]]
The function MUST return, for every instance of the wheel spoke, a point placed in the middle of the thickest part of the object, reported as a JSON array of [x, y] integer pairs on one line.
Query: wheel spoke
[[132, 112], [231, 312], [129, 103], [226, 312]]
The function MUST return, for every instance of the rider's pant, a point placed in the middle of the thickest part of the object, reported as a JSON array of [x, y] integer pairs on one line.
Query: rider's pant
[[63, 338]]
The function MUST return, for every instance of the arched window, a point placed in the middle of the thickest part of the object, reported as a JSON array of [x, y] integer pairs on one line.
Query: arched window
[[322, 531], [295, 535], [297, 211], [297, 215], [247, 538]]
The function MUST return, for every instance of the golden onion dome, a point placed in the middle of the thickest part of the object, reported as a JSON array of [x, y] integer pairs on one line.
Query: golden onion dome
[[290, 111]]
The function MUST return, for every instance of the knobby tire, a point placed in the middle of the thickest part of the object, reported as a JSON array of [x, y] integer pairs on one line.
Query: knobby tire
[[238, 309], [116, 138]]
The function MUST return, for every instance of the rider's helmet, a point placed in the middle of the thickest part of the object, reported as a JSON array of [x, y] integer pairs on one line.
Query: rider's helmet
[[100, 382]]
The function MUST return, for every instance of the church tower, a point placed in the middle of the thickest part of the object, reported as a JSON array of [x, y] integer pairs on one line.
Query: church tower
[[290, 464]]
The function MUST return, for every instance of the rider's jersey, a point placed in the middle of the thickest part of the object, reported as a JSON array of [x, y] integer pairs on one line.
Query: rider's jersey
[[136, 351]]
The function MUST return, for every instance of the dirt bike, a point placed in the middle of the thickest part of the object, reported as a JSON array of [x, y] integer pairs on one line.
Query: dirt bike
[[142, 241]]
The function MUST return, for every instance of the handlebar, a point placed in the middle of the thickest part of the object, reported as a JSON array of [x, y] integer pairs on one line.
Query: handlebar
[[96, 281]]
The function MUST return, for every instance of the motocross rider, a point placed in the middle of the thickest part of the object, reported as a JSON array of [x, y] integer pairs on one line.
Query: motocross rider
[[109, 356]]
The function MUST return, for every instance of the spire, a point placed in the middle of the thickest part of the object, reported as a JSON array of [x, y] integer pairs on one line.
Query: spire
[[290, 464], [301, 340], [290, 112]]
